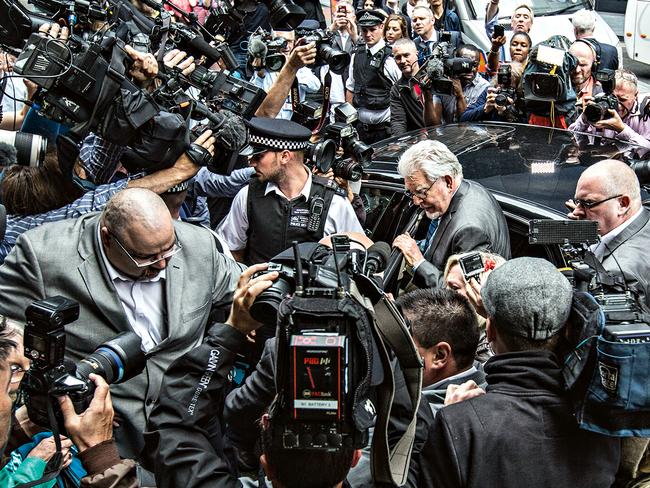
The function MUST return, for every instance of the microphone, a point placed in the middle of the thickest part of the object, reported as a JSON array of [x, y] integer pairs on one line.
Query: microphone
[[196, 44], [377, 257], [257, 48]]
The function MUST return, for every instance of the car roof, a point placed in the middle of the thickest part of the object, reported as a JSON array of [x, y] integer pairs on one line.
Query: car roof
[[538, 164]]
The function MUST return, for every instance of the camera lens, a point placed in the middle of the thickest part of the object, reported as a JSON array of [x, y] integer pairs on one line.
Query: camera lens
[[595, 112], [284, 14], [338, 61], [30, 148], [117, 360], [322, 154], [265, 307], [349, 170], [501, 100]]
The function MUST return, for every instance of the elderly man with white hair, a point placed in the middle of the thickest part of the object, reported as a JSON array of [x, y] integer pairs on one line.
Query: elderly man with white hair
[[464, 215], [584, 24]]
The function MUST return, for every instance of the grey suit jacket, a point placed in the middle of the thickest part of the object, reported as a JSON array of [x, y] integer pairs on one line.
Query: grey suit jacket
[[473, 222], [63, 258], [627, 255]]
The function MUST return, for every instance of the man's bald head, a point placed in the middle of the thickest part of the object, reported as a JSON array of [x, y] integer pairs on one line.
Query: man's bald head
[[616, 178], [136, 209], [614, 194]]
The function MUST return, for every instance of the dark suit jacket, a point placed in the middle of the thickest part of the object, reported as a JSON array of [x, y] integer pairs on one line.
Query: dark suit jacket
[[63, 258], [608, 55], [627, 254], [406, 110], [473, 222]]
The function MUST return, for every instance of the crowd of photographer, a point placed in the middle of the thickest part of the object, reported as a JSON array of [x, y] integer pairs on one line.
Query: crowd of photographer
[[187, 294]]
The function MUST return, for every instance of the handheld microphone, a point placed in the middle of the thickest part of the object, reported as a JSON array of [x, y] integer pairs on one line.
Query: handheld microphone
[[377, 257]]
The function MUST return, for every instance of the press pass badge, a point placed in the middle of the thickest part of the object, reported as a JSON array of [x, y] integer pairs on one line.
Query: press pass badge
[[315, 213]]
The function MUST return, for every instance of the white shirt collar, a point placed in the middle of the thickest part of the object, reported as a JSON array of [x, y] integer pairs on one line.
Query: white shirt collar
[[306, 190], [599, 248], [469, 371], [375, 49], [114, 274]]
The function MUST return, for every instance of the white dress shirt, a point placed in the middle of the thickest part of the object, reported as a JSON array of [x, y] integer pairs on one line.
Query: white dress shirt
[[600, 248], [307, 83], [233, 229], [143, 302]]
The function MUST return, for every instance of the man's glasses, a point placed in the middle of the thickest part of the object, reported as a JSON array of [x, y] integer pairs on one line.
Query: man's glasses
[[421, 194], [589, 204], [143, 262]]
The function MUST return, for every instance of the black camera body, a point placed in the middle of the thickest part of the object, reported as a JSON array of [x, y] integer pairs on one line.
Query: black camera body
[[51, 375], [268, 49], [346, 137], [505, 89], [326, 54], [598, 108], [325, 348]]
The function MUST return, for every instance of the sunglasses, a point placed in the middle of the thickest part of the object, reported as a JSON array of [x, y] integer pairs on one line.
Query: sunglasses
[[589, 204]]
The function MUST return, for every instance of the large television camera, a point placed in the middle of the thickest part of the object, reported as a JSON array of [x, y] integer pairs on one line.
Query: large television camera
[[608, 334], [330, 344], [50, 375], [438, 70]]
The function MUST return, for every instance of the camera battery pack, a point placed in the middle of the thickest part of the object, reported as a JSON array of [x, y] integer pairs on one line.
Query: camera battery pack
[[636, 333]]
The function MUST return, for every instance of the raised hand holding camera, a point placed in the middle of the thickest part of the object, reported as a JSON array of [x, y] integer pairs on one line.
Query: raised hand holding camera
[[251, 283]]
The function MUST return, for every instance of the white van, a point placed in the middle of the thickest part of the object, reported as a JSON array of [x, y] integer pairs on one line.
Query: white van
[[637, 30], [551, 17]]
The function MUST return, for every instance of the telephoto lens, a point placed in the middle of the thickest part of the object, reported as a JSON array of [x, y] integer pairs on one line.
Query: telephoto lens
[[117, 360], [30, 148]]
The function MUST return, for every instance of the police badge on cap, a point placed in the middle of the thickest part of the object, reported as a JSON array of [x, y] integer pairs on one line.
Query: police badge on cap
[[266, 134], [369, 18]]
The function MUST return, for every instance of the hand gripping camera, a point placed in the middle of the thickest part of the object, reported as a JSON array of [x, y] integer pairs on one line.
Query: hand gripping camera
[[598, 109], [117, 360]]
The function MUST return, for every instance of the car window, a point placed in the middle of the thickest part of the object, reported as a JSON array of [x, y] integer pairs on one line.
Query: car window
[[542, 7]]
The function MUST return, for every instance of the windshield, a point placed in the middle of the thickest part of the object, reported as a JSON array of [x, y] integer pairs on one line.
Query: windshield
[[541, 7]]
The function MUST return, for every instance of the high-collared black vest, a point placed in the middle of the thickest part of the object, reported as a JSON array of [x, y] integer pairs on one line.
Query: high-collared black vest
[[371, 86], [275, 222]]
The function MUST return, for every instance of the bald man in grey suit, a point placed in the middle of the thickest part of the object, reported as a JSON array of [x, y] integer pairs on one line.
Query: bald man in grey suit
[[130, 268]]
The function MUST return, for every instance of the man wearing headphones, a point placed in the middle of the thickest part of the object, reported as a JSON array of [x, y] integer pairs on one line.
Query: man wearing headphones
[[582, 77]]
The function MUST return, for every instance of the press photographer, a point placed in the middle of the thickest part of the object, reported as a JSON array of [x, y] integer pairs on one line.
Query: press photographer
[[618, 113], [608, 192], [277, 62], [91, 431]]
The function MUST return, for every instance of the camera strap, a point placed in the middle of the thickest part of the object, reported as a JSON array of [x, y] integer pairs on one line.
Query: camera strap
[[391, 466]]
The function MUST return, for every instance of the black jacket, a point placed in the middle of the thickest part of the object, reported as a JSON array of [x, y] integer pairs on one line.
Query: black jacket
[[521, 433], [183, 444], [406, 109]]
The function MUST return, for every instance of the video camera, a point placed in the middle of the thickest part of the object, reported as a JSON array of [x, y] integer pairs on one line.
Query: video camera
[[267, 49], [598, 108], [50, 375], [606, 362], [227, 17], [438, 70], [326, 344]]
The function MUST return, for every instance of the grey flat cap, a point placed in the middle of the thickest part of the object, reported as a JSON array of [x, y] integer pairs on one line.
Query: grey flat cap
[[528, 297]]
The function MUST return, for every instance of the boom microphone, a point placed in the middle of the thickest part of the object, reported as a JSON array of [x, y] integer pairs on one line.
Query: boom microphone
[[377, 257]]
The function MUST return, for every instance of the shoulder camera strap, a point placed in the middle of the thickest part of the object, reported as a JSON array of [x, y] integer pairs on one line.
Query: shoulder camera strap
[[391, 466]]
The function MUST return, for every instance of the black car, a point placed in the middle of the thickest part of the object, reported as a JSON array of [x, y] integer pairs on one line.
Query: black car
[[530, 170]]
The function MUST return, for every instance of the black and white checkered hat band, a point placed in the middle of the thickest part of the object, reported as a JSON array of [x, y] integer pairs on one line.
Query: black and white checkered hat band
[[277, 143]]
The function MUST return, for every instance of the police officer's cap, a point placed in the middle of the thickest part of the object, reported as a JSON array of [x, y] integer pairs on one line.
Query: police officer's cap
[[266, 134], [371, 17]]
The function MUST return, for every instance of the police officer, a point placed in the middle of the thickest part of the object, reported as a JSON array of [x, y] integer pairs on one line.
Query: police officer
[[283, 202], [373, 72]]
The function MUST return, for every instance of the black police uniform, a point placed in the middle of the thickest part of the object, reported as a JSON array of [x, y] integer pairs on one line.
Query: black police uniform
[[273, 221], [371, 86]]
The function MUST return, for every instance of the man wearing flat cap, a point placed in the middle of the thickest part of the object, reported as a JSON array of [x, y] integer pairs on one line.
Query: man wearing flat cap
[[372, 74], [284, 202], [522, 432]]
